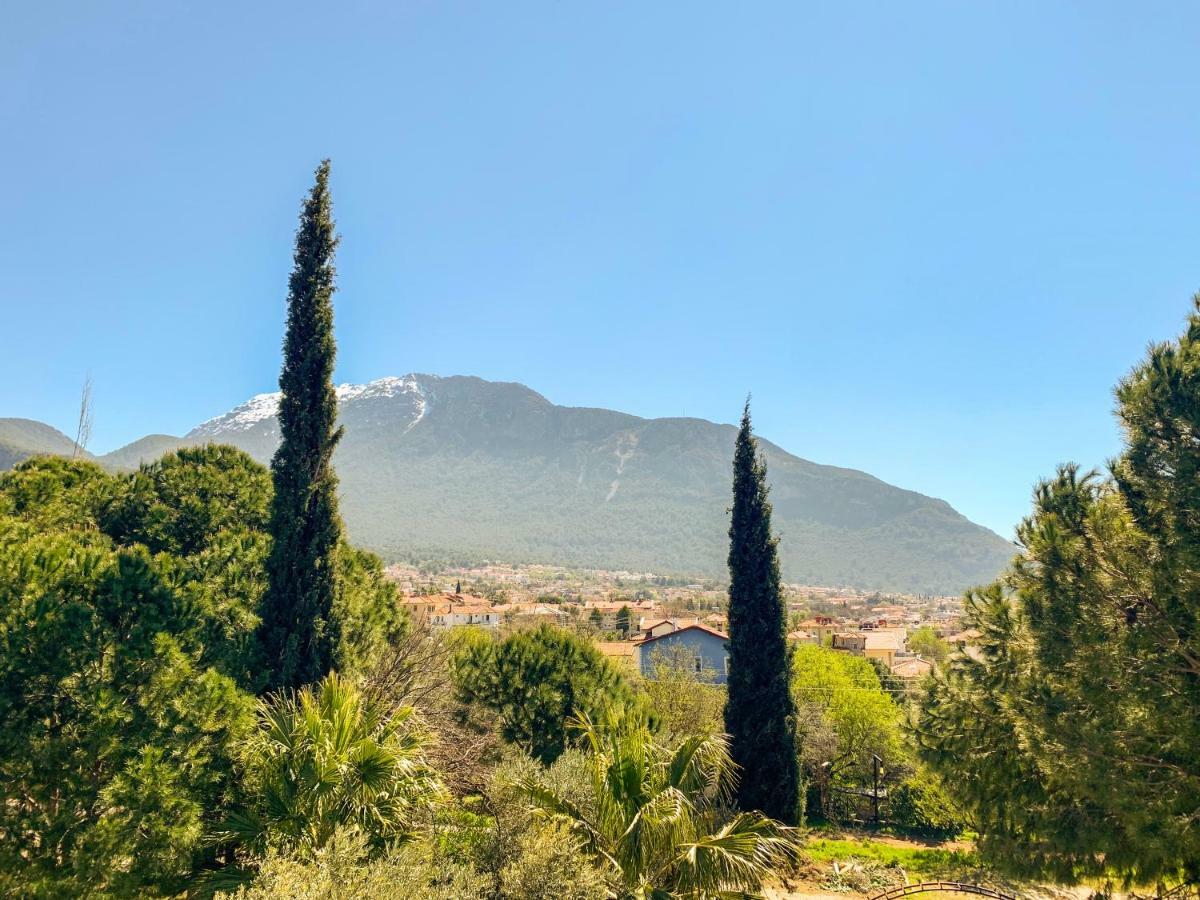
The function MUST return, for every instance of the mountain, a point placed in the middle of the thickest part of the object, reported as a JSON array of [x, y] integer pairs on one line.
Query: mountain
[[23, 438], [462, 468], [146, 449]]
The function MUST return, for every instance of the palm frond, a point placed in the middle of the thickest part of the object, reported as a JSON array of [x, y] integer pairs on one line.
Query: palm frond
[[739, 855]]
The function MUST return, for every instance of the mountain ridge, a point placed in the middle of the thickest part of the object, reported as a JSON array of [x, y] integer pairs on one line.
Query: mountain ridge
[[457, 466]]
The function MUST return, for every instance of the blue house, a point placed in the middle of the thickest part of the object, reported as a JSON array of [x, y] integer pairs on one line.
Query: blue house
[[701, 650]]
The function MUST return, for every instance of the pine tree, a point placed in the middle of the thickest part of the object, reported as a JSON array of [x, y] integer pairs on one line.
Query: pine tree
[[760, 715], [1070, 728], [299, 633]]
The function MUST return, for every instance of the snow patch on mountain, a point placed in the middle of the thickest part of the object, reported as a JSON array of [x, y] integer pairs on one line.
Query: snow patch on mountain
[[261, 407], [381, 387], [241, 418]]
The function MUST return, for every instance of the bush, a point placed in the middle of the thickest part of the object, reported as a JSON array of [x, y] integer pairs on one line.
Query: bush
[[343, 869], [920, 804], [518, 854], [536, 681], [549, 864], [325, 759], [682, 702]]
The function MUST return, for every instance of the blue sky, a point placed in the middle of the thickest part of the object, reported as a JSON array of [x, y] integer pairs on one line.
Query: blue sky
[[928, 237]]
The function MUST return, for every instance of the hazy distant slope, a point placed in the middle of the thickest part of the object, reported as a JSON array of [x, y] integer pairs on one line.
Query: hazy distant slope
[[23, 438], [146, 449], [459, 465]]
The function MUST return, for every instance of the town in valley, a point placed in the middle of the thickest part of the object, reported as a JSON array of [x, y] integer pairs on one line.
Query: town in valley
[[632, 615]]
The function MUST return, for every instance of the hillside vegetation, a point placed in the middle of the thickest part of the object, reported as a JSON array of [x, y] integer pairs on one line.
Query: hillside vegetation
[[464, 468]]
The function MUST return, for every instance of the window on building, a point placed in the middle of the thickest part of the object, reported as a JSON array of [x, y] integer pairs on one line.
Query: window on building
[[699, 664]]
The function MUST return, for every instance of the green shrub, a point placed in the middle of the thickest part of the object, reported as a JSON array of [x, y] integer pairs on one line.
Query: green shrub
[[516, 852], [325, 759], [344, 870], [536, 681], [920, 804]]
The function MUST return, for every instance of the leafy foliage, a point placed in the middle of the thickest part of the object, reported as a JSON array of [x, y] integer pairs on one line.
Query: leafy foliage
[[51, 493], [623, 621], [1073, 724], [683, 703], [760, 716], [346, 867], [536, 681], [367, 607], [925, 642], [119, 722], [845, 717], [124, 673], [182, 502], [657, 820], [921, 804], [300, 631], [326, 758], [521, 854]]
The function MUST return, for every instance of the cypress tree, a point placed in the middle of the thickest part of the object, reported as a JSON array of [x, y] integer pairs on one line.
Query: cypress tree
[[760, 715], [624, 621], [299, 634]]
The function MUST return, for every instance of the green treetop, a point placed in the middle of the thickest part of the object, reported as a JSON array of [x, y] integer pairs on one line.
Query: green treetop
[[536, 681]]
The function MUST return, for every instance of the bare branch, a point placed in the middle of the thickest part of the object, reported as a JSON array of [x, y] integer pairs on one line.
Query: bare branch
[[83, 431]]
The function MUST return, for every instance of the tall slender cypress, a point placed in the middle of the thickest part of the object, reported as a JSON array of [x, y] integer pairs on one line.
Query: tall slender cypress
[[299, 634], [760, 715]]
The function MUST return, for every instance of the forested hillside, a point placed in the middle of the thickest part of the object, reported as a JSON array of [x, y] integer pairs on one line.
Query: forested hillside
[[460, 467]]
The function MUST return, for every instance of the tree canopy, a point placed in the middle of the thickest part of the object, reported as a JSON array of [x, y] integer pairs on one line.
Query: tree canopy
[[536, 681], [1072, 726], [118, 692], [844, 718], [128, 605]]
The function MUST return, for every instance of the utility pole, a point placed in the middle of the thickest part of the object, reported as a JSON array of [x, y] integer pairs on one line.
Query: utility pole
[[875, 761]]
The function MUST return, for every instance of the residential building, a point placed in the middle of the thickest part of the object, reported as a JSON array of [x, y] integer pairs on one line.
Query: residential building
[[820, 629], [453, 610], [623, 654], [650, 627], [873, 644], [703, 650], [422, 607], [911, 668]]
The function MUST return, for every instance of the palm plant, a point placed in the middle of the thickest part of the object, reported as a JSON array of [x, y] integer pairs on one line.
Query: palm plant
[[329, 758], [658, 820]]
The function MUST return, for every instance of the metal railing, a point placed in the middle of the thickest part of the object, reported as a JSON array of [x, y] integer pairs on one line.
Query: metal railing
[[951, 886]]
